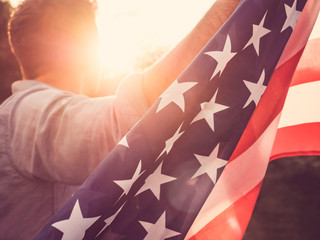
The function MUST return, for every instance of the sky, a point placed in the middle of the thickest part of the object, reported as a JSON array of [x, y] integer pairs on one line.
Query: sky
[[126, 27]]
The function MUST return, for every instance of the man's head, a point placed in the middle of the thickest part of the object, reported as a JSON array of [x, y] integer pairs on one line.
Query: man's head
[[49, 35]]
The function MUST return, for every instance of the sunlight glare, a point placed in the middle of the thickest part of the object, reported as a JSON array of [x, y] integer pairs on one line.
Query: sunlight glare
[[128, 27], [14, 3]]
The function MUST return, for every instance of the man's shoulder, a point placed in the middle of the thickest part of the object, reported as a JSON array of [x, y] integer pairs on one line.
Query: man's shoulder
[[30, 97], [31, 86]]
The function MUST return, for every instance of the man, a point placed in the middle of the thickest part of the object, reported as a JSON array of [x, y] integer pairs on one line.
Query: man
[[53, 137]]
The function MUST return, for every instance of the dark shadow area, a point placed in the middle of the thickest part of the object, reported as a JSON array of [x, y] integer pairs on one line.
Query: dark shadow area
[[9, 68], [288, 206]]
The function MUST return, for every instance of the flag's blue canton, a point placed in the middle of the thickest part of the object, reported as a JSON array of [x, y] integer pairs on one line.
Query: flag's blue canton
[[153, 184]]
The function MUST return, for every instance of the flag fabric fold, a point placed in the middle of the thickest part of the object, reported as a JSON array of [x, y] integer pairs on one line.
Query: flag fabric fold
[[300, 120], [184, 156]]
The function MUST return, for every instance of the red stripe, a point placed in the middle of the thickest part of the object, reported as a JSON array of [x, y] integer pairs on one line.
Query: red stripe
[[297, 140], [301, 139], [308, 69], [269, 106], [231, 223]]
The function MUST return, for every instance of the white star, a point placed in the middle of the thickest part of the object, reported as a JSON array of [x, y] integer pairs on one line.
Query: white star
[[292, 16], [158, 230], [76, 226], [256, 90], [124, 142], [154, 181], [126, 184], [109, 220], [174, 94], [169, 143], [210, 164], [258, 31], [222, 57], [208, 109]]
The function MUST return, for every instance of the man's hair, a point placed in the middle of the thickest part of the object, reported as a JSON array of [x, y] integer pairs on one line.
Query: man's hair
[[52, 34]]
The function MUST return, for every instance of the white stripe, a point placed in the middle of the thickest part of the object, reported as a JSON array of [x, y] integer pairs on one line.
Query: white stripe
[[302, 105], [238, 178]]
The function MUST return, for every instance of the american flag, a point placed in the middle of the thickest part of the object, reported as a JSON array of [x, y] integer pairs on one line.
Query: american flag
[[164, 172], [229, 206]]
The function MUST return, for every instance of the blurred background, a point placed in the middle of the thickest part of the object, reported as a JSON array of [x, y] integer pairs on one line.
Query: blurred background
[[133, 34]]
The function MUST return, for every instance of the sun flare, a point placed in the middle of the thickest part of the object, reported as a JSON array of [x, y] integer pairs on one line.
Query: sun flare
[[131, 29], [127, 28]]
